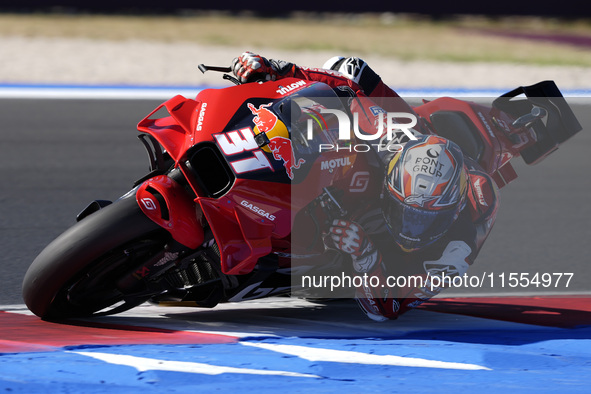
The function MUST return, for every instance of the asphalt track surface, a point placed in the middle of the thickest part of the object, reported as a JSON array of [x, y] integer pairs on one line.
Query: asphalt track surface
[[58, 155]]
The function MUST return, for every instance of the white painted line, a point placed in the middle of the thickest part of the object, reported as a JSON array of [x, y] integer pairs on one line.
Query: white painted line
[[146, 364], [344, 356], [236, 334]]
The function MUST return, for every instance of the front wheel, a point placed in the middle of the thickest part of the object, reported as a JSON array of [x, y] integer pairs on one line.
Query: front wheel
[[77, 274]]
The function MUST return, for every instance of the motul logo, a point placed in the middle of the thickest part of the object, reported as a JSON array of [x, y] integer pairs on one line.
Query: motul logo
[[290, 87], [336, 163], [479, 193]]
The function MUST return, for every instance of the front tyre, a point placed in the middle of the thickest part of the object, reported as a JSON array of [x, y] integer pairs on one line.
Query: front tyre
[[77, 273]]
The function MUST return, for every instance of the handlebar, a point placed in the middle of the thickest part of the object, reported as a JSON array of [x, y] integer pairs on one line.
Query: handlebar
[[203, 68]]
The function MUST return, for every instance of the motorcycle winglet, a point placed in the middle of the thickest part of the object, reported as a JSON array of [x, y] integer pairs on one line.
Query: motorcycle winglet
[[170, 131], [561, 123]]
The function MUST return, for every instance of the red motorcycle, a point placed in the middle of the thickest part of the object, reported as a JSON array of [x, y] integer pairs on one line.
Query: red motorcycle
[[242, 183]]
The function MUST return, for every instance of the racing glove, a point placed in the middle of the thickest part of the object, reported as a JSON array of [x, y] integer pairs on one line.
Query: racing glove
[[349, 237], [250, 67]]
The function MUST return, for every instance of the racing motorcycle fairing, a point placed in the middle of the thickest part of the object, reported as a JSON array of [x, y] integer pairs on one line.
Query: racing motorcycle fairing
[[531, 127], [171, 131], [230, 143], [242, 238], [169, 205], [542, 100], [213, 141], [240, 182]]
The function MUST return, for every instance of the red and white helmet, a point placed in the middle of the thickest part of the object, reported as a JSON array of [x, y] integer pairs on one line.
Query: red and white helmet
[[425, 190]]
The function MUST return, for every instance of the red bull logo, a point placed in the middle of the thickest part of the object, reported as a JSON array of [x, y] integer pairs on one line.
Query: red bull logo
[[279, 145], [282, 150], [265, 120]]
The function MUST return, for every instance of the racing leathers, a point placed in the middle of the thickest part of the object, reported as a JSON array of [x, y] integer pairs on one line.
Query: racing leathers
[[358, 83], [404, 279], [407, 279]]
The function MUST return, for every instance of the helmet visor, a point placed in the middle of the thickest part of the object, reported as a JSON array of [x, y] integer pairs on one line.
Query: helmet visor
[[414, 228]]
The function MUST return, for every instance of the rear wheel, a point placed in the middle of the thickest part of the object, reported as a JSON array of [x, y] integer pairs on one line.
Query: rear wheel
[[79, 273]]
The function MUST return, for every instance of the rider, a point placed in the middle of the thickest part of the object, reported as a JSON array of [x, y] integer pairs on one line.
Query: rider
[[345, 75], [436, 209]]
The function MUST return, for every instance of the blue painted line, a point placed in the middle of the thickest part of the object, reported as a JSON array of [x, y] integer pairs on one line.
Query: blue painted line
[[90, 91], [424, 352], [97, 86], [541, 365], [69, 91], [477, 92]]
